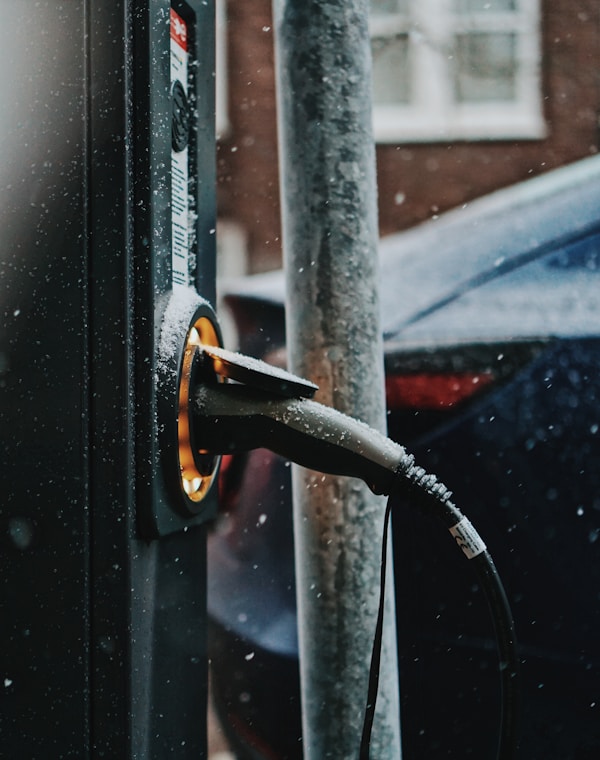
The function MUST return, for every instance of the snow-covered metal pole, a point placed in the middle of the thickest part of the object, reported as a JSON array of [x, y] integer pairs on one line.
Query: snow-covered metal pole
[[329, 211]]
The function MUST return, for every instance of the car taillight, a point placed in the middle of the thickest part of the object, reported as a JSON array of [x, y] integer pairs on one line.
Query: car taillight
[[426, 386], [425, 390]]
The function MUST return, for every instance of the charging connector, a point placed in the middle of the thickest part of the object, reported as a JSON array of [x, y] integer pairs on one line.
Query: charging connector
[[265, 407], [232, 418]]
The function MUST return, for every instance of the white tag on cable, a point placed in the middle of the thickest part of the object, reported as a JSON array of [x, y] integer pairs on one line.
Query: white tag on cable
[[468, 538]]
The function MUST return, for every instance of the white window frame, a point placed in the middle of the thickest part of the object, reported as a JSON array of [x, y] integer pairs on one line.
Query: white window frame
[[433, 114]]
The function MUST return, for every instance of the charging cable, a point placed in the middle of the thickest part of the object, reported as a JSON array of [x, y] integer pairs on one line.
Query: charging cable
[[266, 407]]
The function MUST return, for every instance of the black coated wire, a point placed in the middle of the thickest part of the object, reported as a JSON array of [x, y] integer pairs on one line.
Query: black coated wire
[[365, 742], [432, 497]]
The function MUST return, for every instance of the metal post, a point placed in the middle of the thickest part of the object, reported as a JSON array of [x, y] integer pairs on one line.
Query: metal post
[[329, 213]]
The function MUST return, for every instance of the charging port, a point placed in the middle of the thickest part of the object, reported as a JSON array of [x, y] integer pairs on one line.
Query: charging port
[[174, 479], [198, 471]]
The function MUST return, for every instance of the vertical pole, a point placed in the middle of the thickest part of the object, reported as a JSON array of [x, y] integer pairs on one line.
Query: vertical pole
[[329, 211]]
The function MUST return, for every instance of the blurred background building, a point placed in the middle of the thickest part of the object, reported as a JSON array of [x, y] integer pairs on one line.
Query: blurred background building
[[469, 96]]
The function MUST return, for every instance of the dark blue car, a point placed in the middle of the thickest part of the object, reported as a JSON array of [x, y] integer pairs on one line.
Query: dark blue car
[[491, 318]]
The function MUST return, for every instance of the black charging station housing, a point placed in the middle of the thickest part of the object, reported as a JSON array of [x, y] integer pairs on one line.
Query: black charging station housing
[[159, 278], [102, 567]]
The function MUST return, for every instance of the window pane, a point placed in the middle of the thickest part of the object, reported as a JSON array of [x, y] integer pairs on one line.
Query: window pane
[[379, 7], [476, 6], [391, 75], [485, 67]]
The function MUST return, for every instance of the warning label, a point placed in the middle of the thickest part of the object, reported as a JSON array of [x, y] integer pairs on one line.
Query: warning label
[[178, 30], [179, 151]]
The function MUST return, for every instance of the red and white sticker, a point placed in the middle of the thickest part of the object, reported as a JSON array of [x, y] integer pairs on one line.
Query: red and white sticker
[[178, 30], [180, 203]]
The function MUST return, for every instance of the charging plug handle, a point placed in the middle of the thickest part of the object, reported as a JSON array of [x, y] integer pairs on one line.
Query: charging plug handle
[[230, 418]]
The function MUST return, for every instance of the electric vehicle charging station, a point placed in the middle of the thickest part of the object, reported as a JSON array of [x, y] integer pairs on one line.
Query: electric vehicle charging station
[[107, 234], [103, 571]]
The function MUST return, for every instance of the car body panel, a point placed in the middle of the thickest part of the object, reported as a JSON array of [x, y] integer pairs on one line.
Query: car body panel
[[506, 291]]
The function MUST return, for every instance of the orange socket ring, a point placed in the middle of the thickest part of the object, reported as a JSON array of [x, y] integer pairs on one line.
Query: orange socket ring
[[188, 323], [194, 483]]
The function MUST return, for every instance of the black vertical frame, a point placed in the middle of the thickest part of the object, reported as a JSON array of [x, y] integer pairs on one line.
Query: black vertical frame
[[149, 672], [102, 641], [45, 696], [113, 396]]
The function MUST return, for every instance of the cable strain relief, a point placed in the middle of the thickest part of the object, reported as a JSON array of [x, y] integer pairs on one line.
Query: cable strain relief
[[429, 494]]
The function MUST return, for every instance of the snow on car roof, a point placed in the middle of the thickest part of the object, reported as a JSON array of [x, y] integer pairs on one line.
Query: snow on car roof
[[437, 261]]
